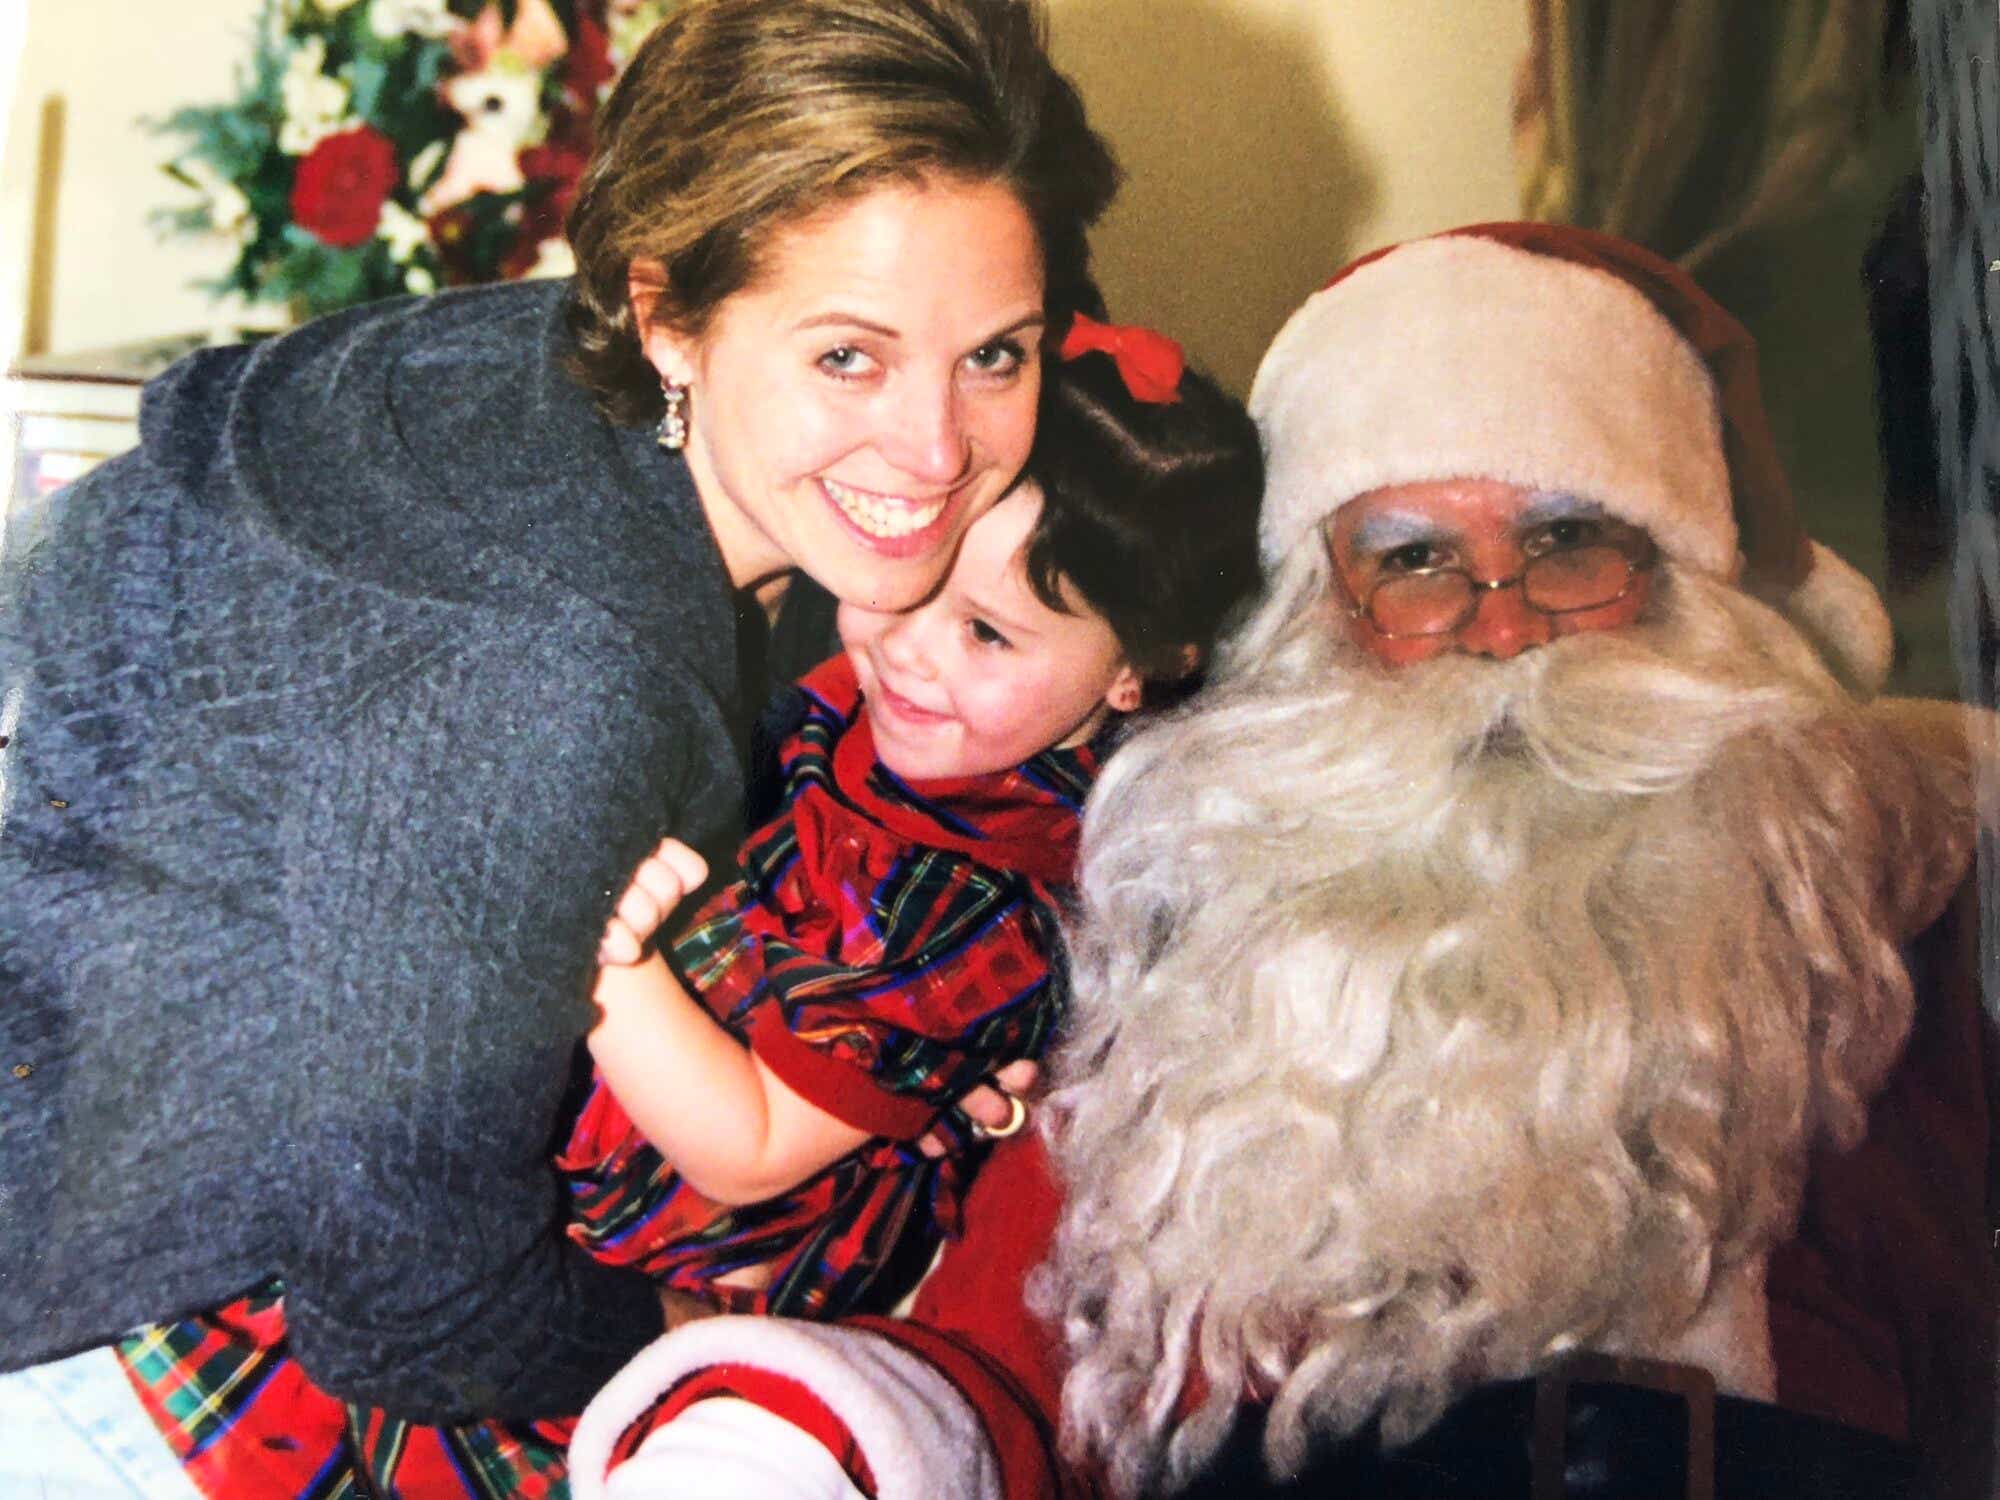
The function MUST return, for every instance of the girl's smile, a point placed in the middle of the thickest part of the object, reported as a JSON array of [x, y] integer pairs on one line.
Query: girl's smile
[[983, 675]]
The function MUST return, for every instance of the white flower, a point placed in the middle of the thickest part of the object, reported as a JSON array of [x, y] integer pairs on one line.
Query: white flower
[[332, 7], [314, 103], [298, 136], [404, 231], [553, 257], [394, 18], [419, 280], [305, 68], [423, 164], [228, 210], [501, 101]]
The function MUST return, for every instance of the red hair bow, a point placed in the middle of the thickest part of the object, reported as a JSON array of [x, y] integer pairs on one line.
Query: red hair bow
[[1150, 363]]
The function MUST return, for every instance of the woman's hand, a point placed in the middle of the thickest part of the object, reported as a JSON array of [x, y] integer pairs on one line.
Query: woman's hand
[[992, 1111], [660, 884]]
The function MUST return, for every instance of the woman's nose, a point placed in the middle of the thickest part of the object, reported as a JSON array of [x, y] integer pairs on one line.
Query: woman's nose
[[1503, 625], [927, 436]]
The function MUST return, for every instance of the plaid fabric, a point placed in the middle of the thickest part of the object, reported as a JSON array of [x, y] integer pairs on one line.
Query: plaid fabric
[[903, 931], [856, 1235], [247, 1424], [896, 936], [211, 1384]]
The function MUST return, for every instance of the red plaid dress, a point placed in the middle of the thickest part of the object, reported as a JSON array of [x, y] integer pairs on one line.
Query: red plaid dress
[[885, 946]]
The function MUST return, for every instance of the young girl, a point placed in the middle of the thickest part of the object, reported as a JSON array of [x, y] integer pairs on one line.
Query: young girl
[[886, 944]]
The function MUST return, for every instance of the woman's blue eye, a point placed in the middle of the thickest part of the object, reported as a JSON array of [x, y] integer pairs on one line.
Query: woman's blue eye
[[985, 634], [842, 359], [1001, 357]]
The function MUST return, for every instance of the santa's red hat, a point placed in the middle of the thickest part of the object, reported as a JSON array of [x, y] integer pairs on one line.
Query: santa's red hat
[[1557, 359]]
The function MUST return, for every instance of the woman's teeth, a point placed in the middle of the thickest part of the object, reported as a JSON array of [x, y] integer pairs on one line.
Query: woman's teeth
[[880, 515]]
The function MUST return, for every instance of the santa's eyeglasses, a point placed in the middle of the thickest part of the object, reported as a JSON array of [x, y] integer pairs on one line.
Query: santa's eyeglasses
[[1565, 580]]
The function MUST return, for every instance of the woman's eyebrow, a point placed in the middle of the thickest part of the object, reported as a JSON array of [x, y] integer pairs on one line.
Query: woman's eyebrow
[[846, 320], [835, 318], [1036, 319]]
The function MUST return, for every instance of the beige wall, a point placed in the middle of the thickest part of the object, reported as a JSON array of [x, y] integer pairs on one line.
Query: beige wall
[[1265, 140], [109, 63], [1268, 141]]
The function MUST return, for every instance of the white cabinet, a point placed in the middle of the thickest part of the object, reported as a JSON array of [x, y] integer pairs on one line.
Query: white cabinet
[[65, 414]]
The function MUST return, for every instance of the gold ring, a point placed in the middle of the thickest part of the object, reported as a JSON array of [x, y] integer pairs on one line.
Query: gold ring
[[1017, 1117]]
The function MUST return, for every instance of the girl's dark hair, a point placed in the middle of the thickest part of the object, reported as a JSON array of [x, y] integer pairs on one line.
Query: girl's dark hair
[[740, 118], [1149, 512]]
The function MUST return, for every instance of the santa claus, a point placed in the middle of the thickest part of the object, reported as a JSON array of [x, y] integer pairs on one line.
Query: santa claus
[[1536, 943]]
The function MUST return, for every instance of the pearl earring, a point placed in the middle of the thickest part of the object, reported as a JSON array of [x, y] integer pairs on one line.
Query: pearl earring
[[673, 421]]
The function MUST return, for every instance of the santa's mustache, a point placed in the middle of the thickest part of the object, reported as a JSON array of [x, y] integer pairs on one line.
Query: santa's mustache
[[1629, 711]]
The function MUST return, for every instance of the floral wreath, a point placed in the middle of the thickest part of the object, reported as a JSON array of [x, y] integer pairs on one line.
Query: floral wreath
[[386, 146]]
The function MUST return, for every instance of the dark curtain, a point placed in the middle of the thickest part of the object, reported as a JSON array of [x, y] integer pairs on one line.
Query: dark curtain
[[1686, 124], [1958, 61]]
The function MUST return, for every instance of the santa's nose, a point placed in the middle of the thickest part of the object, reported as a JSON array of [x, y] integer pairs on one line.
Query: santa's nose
[[1503, 625]]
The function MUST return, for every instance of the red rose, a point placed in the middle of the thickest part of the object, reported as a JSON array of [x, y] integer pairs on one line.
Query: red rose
[[341, 184], [587, 66], [552, 170]]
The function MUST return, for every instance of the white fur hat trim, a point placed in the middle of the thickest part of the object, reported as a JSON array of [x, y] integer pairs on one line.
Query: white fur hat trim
[[1839, 611], [1460, 357]]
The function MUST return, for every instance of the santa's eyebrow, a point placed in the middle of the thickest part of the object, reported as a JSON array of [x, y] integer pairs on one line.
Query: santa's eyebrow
[[1559, 505], [1384, 531]]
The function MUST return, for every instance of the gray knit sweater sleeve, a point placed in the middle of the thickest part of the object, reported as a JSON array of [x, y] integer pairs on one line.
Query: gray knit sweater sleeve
[[342, 712], [432, 879]]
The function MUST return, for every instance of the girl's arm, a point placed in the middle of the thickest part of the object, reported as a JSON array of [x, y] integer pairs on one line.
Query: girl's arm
[[729, 1125], [734, 1129]]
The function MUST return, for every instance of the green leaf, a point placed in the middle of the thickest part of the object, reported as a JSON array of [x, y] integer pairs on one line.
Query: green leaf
[[167, 222], [343, 281], [366, 77], [410, 113]]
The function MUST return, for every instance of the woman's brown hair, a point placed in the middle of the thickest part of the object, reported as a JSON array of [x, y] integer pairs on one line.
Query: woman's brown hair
[[739, 117]]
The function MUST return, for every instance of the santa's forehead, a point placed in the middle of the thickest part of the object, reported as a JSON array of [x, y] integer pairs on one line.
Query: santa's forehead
[[1395, 523]]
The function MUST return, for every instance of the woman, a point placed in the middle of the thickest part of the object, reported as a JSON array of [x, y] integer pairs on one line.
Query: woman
[[342, 708]]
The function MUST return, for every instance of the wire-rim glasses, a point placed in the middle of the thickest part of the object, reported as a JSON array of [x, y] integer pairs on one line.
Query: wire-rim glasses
[[1566, 581]]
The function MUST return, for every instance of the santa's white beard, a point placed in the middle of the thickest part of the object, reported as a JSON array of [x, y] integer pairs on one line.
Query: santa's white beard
[[1429, 1022]]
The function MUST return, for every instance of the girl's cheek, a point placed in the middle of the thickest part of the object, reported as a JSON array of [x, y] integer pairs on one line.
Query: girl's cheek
[[977, 701]]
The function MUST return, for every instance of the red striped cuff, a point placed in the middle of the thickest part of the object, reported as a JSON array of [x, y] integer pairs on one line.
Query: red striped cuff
[[777, 1394], [842, 1089]]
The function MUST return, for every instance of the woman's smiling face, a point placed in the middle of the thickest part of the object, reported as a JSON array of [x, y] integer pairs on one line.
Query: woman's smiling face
[[856, 407]]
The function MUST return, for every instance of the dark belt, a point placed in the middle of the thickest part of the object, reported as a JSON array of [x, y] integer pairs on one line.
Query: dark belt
[[1593, 1428]]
